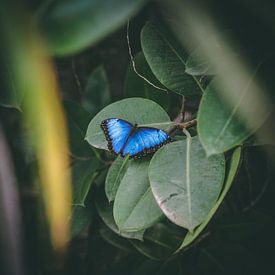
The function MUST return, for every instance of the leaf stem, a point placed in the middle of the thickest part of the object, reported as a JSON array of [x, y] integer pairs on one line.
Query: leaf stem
[[181, 125], [186, 133]]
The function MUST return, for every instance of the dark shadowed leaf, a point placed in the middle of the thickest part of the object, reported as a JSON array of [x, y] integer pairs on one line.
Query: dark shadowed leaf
[[83, 175], [244, 226], [115, 174], [105, 211], [80, 219], [233, 167], [166, 60], [70, 26], [135, 86], [10, 94], [185, 182], [112, 238], [135, 110], [170, 266], [77, 120], [135, 207], [227, 258], [96, 94], [160, 241]]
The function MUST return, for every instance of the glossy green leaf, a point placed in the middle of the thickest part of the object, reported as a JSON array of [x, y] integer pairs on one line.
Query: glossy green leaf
[[135, 86], [135, 110], [135, 207], [114, 176], [83, 175], [96, 93], [70, 26], [219, 126], [77, 121], [80, 219], [166, 60], [234, 107], [198, 64], [233, 168], [112, 238], [185, 182], [160, 241], [105, 211]]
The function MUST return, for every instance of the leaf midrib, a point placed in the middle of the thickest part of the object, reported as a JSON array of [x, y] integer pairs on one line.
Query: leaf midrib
[[180, 58], [125, 160], [234, 111], [133, 208], [187, 180]]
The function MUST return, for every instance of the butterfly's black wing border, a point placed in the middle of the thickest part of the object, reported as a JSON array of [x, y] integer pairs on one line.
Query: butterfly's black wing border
[[147, 151], [105, 130]]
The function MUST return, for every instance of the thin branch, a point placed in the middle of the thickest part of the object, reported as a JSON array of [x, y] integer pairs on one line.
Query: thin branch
[[134, 64], [187, 124]]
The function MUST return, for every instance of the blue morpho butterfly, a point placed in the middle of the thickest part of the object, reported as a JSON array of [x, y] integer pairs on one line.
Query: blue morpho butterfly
[[125, 138]]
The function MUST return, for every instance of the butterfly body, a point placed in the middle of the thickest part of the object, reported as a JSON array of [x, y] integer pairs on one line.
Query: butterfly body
[[125, 138]]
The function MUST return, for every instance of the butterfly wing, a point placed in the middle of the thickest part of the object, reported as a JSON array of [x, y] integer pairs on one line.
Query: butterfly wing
[[144, 141], [116, 132]]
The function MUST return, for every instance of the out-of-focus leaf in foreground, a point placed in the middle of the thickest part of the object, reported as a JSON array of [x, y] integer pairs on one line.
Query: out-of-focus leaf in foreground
[[34, 77], [70, 26]]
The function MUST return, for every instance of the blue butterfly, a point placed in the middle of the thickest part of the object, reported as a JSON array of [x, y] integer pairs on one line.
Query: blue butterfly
[[125, 138]]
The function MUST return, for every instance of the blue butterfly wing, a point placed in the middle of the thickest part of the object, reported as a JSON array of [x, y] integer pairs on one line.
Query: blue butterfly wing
[[117, 132], [144, 141]]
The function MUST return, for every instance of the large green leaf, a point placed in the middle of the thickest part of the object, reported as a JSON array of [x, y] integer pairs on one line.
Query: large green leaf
[[235, 106], [185, 182], [166, 60], [233, 167], [77, 121], [105, 211], [198, 64], [135, 207], [70, 26], [135, 85], [220, 127], [114, 176], [160, 241], [96, 93], [135, 110], [83, 175]]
